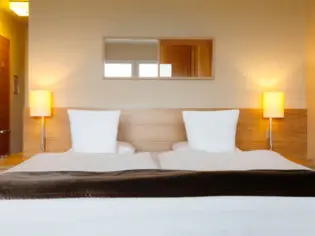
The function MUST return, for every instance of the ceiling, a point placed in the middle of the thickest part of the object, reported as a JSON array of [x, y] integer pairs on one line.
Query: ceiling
[[4, 4]]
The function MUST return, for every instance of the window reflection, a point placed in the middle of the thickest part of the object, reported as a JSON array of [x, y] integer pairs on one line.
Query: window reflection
[[118, 70]]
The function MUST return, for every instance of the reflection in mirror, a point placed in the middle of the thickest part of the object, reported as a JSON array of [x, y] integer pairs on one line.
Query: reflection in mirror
[[153, 58]]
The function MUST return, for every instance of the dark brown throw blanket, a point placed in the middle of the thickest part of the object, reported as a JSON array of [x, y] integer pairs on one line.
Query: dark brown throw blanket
[[157, 183]]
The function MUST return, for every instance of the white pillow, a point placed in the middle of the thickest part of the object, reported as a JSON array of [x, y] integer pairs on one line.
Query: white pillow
[[122, 148], [125, 148], [211, 131], [94, 131], [184, 146]]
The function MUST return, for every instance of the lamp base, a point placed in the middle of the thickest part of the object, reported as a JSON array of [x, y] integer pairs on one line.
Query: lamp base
[[270, 134], [43, 138]]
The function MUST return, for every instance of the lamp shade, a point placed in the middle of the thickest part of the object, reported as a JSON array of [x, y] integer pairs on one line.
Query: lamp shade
[[40, 103], [273, 104]]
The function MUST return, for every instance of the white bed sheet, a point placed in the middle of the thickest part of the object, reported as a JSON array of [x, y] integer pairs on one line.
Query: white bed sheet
[[245, 160], [217, 216], [70, 161]]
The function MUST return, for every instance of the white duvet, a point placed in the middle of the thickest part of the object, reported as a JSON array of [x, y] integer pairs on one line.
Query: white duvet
[[71, 161], [211, 216], [216, 216], [204, 161], [172, 160]]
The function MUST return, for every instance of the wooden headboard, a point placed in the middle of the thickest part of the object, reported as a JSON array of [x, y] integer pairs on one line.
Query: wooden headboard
[[158, 129]]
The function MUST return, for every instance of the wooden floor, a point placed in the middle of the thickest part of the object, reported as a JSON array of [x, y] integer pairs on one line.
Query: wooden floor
[[13, 160]]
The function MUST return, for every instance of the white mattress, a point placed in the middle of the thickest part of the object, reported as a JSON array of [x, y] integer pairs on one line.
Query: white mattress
[[218, 216]]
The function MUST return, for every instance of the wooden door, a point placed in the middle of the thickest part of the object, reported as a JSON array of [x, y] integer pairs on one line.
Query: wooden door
[[189, 58], [179, 56], [4, 96], [202, 59]]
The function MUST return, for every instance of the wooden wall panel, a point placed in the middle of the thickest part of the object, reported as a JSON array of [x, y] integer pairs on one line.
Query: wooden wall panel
[[158, 129]]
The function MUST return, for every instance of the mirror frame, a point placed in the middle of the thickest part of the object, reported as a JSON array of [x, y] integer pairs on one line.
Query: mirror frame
[[189, 78]]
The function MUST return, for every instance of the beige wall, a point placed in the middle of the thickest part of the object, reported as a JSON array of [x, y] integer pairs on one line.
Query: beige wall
[[15, 30], [311, 78], [259, 45]]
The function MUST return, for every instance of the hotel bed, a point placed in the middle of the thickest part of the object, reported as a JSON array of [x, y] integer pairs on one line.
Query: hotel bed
[[156, 213], [203, 187]]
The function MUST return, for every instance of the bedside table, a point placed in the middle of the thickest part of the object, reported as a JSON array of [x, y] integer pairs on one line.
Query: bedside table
[[13, 160]]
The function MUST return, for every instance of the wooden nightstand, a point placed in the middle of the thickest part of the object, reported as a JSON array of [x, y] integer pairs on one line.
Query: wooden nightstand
[[13, 160]]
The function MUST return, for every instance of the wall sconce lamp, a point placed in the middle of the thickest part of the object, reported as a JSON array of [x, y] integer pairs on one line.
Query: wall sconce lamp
[[273, 108], [40, 106], [20, 7]]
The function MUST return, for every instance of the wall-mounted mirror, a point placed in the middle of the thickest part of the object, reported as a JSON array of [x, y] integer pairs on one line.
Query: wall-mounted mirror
[[158, 58]]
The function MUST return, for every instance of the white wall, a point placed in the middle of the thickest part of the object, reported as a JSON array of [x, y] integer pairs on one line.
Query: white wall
[[259, 46]]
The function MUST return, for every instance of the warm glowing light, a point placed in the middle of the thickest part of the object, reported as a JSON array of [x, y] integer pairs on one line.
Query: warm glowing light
[[273, 104], [267, 76], [40, 103], [268, 83], [46, 82], [20, 8]]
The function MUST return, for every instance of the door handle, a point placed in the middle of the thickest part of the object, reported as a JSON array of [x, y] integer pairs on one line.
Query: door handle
[[4, 131], [3, 156]]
